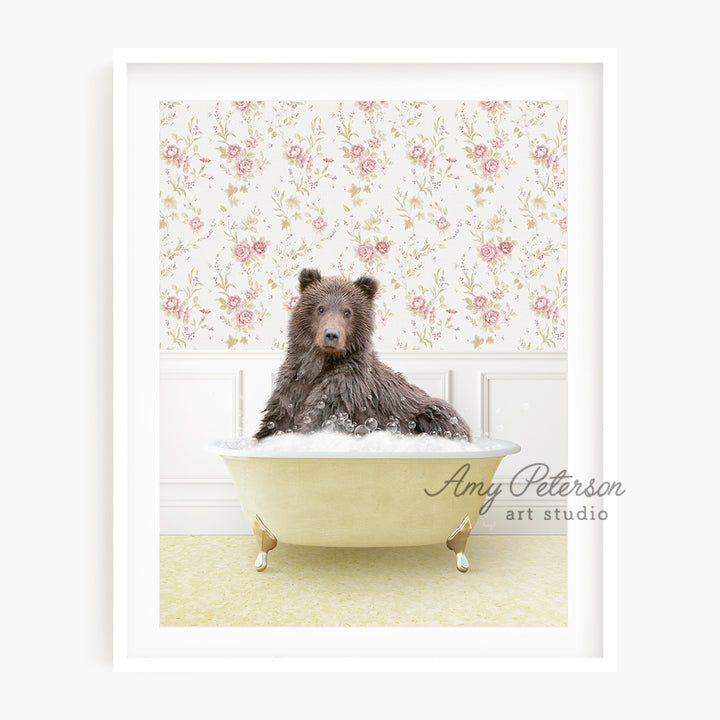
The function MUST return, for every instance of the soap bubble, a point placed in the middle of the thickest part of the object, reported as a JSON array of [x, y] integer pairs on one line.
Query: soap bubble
[[270, 425], [328, 425], [371, 424], [411, 424], [320, 405], [447, 434], [454, 420], [392, 427], [307, 419], [361, 430]]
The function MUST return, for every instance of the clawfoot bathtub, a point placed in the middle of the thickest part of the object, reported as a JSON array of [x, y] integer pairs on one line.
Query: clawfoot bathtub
[[360, 499]]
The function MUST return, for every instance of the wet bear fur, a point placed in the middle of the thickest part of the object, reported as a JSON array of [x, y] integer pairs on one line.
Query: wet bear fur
[[331, 368]]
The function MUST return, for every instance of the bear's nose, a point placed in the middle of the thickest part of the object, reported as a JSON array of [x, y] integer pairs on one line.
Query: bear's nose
[[331, 337]]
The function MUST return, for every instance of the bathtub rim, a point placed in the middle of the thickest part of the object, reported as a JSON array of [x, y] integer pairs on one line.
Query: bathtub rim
[[505, 448]]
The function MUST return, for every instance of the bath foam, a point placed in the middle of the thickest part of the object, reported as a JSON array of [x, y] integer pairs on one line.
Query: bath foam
[[376, 443]]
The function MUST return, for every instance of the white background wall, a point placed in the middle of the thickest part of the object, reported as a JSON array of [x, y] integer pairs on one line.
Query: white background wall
[[207, 396], [56, 525]]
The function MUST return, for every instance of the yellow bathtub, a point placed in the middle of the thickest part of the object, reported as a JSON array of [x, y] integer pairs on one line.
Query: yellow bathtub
[[351, 499]]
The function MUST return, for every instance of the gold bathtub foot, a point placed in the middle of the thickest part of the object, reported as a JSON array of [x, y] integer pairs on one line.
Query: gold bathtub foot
[[266, 542], [457, 541]]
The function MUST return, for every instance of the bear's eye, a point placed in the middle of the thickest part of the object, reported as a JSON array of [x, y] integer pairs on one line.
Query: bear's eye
[[347, 313], [321, 309]]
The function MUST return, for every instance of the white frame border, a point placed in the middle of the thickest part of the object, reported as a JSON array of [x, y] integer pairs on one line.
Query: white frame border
[[123, 58]]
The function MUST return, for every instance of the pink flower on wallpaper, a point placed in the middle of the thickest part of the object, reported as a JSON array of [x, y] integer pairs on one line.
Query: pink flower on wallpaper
[[497, 142], [488, 252], [366, 105], [506, 247], [541, 152], [196, 223], [243, 105], [292, 302], [418, 303], [418, 152], [542, 303], [442, 223], [328, 160], [172, 303], [233, 150], [251, 293], [294, 152], [356, 151], [233, 302], [489, 106], [251, 142], [382, 246], [497, 293], [245, 317], [172, 151], [491, 317], [366, 252], [367, 166], [242, 252], [479, 302], [491, 166], [563, 223], [259, 246], [479, 151], [374, 142], [319, 223], [245, 166]]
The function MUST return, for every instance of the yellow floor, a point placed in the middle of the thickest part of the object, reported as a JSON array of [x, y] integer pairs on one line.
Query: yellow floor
[[512, 581]]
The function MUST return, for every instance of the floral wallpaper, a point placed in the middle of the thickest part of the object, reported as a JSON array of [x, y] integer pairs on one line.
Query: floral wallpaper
[[459, 209]]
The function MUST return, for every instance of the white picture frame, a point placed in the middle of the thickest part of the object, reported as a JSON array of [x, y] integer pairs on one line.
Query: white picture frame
[[587, 79]]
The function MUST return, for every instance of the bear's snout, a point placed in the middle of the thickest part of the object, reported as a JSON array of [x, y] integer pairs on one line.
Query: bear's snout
[[331, 337]]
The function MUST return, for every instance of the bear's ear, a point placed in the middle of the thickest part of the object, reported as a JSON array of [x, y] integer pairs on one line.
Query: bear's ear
[[368, 285], [307, 277]]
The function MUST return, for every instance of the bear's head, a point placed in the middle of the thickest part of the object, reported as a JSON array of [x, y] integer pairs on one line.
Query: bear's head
[[333, 316]]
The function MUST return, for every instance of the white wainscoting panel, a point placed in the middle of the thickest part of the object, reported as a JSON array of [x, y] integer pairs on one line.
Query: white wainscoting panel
[[206, 396], [531, 410], [196, 407]]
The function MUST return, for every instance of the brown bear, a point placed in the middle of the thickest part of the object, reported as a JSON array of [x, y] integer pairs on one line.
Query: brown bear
[[332, 378]]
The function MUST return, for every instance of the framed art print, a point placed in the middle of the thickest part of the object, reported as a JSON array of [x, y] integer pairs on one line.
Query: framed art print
[[463, 202]]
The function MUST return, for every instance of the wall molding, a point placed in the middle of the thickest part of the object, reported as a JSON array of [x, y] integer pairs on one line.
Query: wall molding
[[240, 355], [213, 508], [487, 377]]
